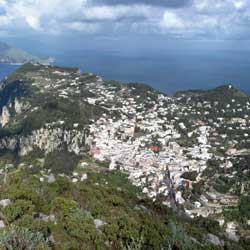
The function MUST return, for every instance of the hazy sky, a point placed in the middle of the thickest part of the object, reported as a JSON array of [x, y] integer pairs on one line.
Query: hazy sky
[[111, 19]]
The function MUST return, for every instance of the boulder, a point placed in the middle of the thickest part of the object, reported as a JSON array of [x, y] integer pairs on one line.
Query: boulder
[[5, 202], [51, 178], [84, 177], [74, 180], [99, 223], [2, 225], [213, 239], [232, 236]]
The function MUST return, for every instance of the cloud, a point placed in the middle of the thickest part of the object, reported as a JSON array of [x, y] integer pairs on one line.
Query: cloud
[[79, 26], [239, 4], [196, 19], [172, 21], [163, 3], [115, 13], [2, 3], [33, 22]]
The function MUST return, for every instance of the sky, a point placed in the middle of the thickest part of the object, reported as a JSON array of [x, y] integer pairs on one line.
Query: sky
[[111, 19], [170, 44]]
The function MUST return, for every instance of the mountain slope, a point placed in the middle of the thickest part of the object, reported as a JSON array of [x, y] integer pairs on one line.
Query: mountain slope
[[95, 164], [9, 54], [226, 91]]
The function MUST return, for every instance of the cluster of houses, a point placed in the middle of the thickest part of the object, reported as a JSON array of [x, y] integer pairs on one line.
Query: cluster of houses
[[145, 137], [145, 142], [163, 143]]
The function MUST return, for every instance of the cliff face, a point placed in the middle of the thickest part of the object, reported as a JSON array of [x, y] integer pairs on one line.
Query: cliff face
[[37, 113], [46, 140], [5, 117]]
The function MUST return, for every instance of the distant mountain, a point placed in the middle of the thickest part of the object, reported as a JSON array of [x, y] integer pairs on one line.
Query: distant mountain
[[221, 92], [12, 55]]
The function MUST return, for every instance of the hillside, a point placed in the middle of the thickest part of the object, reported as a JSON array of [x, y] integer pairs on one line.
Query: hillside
[[92, 164], [226, 91], [12, 55]]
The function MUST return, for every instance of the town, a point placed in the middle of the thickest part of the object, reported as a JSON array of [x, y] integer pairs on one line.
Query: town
[[183, 150]]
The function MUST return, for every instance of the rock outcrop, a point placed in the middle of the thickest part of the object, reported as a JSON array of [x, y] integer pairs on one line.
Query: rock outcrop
[[5, 116], [46, 140]]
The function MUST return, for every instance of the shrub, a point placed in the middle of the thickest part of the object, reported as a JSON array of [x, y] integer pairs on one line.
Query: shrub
[[18, 238], [61, 162], [134, 244], [62, 205], [116, 200], [178, 239], [34, 225], [80, 225], [192, 175], [244, 206], [18, 209], [23, 192], [77, 223], [212, 226]]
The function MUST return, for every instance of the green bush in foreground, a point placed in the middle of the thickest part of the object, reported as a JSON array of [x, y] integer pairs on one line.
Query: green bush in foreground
[[18, 238], [18, 209], [129, 221]]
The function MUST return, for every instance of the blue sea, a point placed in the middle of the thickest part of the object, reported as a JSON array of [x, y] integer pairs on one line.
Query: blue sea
[[167, 71], [6, 69]]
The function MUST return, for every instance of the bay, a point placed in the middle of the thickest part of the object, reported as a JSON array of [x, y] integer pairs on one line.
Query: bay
[[7, 69]]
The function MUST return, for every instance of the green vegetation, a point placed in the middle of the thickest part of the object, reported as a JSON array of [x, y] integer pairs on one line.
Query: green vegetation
[[61, 162], [240, 213], [244, 206], [190, 175], [127, 220], [54, 202], [225, 93], [17, 238]]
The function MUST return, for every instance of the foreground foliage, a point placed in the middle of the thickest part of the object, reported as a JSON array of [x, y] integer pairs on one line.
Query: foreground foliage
[[22, 239], [103, 212]]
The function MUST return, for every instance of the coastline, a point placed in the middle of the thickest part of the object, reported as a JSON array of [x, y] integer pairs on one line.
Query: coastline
[[7, 69], [14, 64]]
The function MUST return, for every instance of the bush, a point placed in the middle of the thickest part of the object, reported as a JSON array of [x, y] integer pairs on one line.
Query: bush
[[134, 244], [244, 206], [77, 224], [211, 226], [116, 201], [34, 225], [80, 225], [178, 239], [18, 238], [62, 205], [61, 162], [23, 192], [192, 175], [17, 209]]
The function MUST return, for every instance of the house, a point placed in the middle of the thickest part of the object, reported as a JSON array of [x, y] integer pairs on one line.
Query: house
[[95, 152], [154, 149]]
